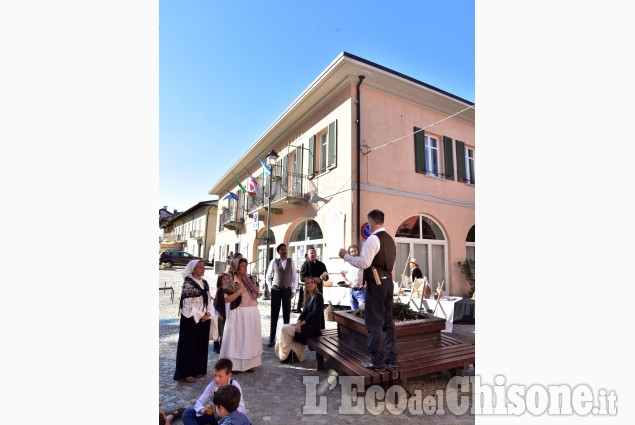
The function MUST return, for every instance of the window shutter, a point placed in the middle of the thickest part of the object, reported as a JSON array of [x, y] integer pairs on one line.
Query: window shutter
[[285, 174], [449, 158], [460, 162], [311, 156], [332, 148], [420, 151], [298, 160]]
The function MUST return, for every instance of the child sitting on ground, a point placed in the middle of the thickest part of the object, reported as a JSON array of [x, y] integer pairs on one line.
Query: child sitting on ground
[[226, 401], [202, 413]]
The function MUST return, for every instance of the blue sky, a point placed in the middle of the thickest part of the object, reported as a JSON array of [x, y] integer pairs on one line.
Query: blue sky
[[227, 70]]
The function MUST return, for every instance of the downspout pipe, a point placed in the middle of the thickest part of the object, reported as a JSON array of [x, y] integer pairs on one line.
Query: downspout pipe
[[359, 155]]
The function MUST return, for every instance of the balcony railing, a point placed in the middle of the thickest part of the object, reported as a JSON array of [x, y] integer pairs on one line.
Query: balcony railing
[[232, 218], [290, 187], [197, 233]]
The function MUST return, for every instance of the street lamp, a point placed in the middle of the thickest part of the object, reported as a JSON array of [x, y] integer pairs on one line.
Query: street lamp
[[272, 157]]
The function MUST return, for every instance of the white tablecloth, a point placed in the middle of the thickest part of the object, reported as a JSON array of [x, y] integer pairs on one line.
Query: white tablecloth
[[337, 295], [445, 308]]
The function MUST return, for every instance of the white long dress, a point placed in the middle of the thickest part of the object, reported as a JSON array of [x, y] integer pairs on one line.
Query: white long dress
[[242, 337]]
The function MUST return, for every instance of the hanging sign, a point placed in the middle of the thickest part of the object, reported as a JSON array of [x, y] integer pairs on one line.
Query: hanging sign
[[366, 231], [255, 221]]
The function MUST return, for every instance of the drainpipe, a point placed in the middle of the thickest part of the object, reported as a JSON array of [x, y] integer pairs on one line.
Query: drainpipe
[[359, 153]]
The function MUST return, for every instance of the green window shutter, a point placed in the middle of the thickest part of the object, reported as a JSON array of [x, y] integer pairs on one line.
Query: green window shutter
[[449, 158], [460, 162], [285, 166], [332, 147], [420, 151], [311, 156], [298, 160]]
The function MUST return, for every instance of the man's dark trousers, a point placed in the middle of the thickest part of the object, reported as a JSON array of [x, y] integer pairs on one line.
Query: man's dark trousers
[[379, 322], [279, 296]]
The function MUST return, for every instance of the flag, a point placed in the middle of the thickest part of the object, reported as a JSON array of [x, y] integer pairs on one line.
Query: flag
[[267, 170], [240, 186], [231, 195], [253, 185]]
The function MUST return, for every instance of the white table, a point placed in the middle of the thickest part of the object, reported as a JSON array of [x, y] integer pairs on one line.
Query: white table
[[445, 308], [337, 295]]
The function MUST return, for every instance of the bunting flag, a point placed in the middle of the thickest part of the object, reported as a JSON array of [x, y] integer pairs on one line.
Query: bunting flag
[[267, 170], [240, 186]]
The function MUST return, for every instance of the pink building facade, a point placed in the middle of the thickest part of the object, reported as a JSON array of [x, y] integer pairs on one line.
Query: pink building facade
[[349, 144]]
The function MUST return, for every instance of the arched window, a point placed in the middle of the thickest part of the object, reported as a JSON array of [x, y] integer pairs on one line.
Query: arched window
[[470, 243], [422, 238], [305, 236]]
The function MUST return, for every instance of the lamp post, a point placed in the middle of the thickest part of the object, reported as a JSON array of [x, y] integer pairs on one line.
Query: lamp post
[[272, 157]]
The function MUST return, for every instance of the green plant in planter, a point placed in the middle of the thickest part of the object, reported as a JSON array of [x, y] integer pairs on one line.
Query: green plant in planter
[[400, 313], [467, 268]]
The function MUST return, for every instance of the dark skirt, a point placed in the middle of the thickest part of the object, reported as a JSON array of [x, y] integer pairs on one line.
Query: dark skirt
[[191, 352]]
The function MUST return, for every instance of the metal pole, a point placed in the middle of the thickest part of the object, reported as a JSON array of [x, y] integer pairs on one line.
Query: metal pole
[[267, 295]]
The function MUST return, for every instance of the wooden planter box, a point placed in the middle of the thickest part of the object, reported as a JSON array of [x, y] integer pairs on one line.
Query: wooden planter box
[[411, 335]]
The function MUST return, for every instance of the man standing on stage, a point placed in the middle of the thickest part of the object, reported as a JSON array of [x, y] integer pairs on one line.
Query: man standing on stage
[[378, 256], [283, 281]]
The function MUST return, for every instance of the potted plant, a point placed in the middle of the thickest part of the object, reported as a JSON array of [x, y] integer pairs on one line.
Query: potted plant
[[467, 268]]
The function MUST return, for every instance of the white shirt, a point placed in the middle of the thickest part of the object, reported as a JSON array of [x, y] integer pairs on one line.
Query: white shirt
[[208, 397], [194, 307], [369, 250], [283, 263], [353, 274]]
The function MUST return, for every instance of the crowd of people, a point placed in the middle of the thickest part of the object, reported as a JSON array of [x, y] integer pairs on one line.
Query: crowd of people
[[233, 312]]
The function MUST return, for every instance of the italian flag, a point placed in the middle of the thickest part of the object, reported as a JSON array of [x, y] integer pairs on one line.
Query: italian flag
[[241, 187]]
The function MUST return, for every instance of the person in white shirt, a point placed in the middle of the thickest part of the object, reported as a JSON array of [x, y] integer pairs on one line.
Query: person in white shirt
[[354, 279], [202, 414], [283, 281], [196, 309], [378, 256]]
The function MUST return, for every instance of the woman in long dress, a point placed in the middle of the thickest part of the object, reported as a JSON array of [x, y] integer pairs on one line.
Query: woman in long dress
[[196, 309], [292, 341], [242, 338]]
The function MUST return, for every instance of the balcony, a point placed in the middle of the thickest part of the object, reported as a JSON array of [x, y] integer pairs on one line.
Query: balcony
[[287, 191], [232, 218], [197, 233]]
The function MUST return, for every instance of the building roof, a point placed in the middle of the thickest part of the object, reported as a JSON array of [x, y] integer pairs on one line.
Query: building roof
[[182, 214], [341, 73]]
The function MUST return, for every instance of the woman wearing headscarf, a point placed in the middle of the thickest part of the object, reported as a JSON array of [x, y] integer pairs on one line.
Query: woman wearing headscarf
[[292, 341], [196, 308], [242, 338]]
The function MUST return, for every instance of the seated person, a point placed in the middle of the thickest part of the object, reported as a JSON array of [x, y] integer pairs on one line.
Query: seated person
[[291, 343], [202, 412], [226, 401], [166, 419]]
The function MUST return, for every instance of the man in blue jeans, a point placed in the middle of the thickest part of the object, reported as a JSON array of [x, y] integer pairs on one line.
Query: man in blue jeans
[[354, 279]]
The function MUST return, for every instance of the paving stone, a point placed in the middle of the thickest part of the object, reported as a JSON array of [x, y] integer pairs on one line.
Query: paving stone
[[275, 392]]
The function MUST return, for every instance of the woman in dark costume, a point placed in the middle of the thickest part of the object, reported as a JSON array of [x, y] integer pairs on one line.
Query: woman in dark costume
[[291, 343], [196, 309]]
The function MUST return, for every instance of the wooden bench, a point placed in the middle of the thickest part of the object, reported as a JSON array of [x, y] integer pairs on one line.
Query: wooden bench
[[453, 355]]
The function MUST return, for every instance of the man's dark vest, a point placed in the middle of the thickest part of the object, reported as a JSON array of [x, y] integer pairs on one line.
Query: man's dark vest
[[282, 278], [385, 258]]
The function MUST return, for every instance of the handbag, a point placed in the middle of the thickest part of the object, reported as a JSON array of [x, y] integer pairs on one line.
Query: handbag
[[213, 328]]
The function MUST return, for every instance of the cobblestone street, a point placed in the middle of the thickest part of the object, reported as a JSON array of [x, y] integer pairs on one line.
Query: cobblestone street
[[275, 393]]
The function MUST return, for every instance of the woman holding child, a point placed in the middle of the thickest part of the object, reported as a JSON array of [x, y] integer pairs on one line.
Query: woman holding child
[[196, 309], [291, 343], [242, 338]]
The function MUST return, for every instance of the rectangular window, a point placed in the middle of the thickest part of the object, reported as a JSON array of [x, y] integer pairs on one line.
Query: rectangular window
[[323, 150], [432, 155], [469, 165]]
